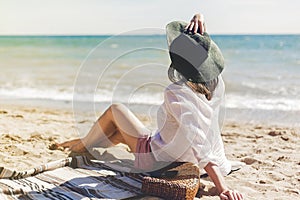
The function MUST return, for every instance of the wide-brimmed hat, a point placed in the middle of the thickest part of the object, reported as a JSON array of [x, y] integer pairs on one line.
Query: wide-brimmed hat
[[193, 55]]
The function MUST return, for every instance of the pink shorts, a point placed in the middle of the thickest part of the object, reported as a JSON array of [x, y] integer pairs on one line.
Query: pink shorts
[[144, 158]]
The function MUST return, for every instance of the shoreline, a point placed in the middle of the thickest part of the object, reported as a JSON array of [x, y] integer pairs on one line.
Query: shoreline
[[284, 118], [271, 153]]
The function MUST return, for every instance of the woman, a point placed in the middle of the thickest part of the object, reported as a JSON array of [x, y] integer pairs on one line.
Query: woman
[[188, 128]]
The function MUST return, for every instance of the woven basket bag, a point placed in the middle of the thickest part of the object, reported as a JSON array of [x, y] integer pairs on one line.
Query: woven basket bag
[[184, 185]]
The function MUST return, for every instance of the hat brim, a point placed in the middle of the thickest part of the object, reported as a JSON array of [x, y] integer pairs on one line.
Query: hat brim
[[174, 29]]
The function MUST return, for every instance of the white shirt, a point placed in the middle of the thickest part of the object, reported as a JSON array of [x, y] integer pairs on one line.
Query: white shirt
[[188, 128]]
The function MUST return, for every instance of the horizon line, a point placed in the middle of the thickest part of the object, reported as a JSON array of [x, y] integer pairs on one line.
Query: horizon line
[[144, 34]]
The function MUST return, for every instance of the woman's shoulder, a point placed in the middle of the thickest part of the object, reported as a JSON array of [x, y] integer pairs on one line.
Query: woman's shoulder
[[182, 92], [177, 89]]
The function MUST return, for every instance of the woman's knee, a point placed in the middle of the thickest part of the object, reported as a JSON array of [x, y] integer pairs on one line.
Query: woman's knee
[[118, 108]]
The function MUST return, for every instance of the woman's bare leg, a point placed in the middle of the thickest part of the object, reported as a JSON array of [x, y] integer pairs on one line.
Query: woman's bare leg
[[117, 125]]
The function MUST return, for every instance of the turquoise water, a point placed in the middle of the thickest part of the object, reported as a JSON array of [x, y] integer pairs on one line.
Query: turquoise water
[[262, 72]]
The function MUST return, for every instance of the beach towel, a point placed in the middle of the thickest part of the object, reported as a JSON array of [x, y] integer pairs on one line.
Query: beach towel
[[71, 179]]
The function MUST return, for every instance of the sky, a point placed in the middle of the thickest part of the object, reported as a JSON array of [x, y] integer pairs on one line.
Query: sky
[[96, 17]]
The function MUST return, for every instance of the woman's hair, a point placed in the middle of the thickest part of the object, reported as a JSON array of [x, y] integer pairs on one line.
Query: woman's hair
[[205, 88]]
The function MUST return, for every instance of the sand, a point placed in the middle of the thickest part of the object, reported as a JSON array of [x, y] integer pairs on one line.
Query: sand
[[271, 153]]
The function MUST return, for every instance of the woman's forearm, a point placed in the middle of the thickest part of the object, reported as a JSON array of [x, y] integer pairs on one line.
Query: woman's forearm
[[216, 176]]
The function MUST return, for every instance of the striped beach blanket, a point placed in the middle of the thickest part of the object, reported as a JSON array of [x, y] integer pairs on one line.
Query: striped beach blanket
[[71, 179]]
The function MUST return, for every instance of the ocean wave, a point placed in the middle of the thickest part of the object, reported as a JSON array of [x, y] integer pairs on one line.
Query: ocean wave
[[264, 89], [69, 95], [262, 103], [233, 100]]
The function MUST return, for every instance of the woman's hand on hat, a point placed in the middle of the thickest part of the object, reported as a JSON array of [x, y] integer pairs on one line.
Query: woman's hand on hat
[[197, 24], [231, 195]]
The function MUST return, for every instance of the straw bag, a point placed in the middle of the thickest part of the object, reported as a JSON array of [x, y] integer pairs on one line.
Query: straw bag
[[181, 182]]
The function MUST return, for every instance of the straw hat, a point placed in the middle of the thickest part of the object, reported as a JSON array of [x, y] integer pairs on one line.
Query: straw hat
[[194, 56]]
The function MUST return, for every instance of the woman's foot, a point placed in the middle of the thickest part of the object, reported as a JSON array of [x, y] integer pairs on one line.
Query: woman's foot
[[75, 145]]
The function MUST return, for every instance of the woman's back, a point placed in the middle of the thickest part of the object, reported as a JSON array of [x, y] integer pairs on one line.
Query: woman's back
[[188, 127]]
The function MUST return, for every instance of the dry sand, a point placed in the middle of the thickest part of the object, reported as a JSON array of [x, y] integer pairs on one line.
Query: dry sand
[[271, 153]]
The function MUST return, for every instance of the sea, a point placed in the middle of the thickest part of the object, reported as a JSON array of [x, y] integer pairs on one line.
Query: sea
[[262, 73]]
